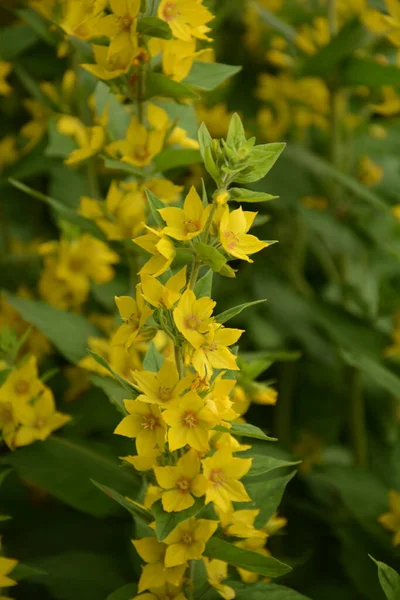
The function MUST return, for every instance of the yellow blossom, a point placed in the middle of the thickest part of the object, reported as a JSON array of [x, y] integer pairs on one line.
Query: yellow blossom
[[106, 67], [274, 524], [36, 128], [161, 248], [6, 566], [188, 541], [89, 139], [218, 399], [81, 17], [223, 472], [217, 571], [180, 137], [161, 388], [391, 519], [144, 423], [38, 418], [181, 482], [120, 27], [153, 553], [382, 24], [234, 237], [153, 493], [22, 384], [391, 103], [188, 222], [187, 18], [255, 544], [163, 296], [214, 353], [189, 423], [164, 189], [8, 152], [5, 69], [134, 314], [369, 173], [240, 523], [177, 56], [192, 317], [217, 118], [144, 462], [165, 592]]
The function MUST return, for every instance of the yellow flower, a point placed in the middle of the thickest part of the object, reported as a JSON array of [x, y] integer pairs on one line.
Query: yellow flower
[[163, 387], [391, 519], [161, 248], [6, 566], [234, 237], [181, 482], [106, 67], [387, 25], [120, 27], [187, 223], [153, 553], [223, 472], [165, 592], [89, 139], [22, 384], [81, 17], [218, 399], [189, 423], [177, 56], [163, 296], [187, 18], [141, 144], [8, 422], [274, 524], [135, 314], [144, 462], [180, 137], [38, 418], [8, 152], [391, 103], [213, 353], [153, 493], [217, 118], [192, 317], [255, 544], [188, 541], [5, 69], [164, 189], [240, 523], [121, 216], [143, 423], [217, 571], [36, 128], [369, 173]]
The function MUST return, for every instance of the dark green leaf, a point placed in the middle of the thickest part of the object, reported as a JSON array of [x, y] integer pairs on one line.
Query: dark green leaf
[[389, 580], [262, 159], [375, 370], [232, 312], [38, 24], [153, 360], [210, 256], [115, 392], [67, 331], [161, 85], [154, 27], [127, 592], [15, 40], [265, 464], [264, 591], [207, 76], [22, 571], [245, 559], [155, 204], [167, 521], [134, 508], [203, 286], [246, 430], [368, 71]]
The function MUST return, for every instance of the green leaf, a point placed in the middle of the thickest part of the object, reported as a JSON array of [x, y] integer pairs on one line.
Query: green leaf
[[63, 211], [63, 467], [4, 373], [263, 464], [207, 76], [68, 332], [175, 158], [210, 256], [154, 27], [15, 40], [203, 286], [118, 117], [155, 204], [3, 474], [236, 310], [123, 382], [22, 571], [264, 591], [161, 85], [243, 195], [153, 360], [262, 158], [389, 580], [271, 19], [246, 430], [375, 370], [324, 170], [113, 390], [245, 559], [367, 71], [127, 592], [351, 36], [236, 137], [117, 165], [131, 506], [167, 521], [39, 25]]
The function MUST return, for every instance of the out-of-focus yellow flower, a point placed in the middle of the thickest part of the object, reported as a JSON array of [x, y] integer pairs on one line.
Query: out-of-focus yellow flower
[[312, 37], [36, 128], [8, 152], [391, 103], [6, 566], [369, 173], [217, 571], [255, 544], [223, 472], [165, 592], [240, 523], [309, 449], [217, 118], [120, 27], [188, 222], [214, 353], [316, 202], [153, 553], [163, 387], [181, 483], [187, 18], [391, 519], [89, 139], [387, 25], [167, 191], [106, 67], [134, 314], [234, 237], [188, 541], [5, 70], [163, 296], [81, 17]]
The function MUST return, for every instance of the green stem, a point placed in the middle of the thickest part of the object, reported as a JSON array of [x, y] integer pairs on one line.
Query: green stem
[[93, 182], [357, 418], [179, 361], [194, 273]]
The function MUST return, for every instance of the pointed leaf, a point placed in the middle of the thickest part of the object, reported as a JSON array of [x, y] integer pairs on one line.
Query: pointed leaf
[[123, 382], [113, 390], [246, 430], [236, 310], [203, 286], [161, 85], [243, 195], [155, 204], [137, 510], [175, 158], [167, 521], [154, 27], [210, 256], [389, 580], [153, 360], [207, 76]]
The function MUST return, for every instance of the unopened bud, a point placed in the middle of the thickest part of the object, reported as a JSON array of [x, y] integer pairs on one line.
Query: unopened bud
[[221, 197]]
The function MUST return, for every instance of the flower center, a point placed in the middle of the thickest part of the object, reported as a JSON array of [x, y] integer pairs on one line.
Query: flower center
[[232, 239], [41, 422], [141, 152], [191, 226], [150, 422], [133, 319], [187, 538], [125, 22], [170, 11], [192, 322], [217, 476], [5, 414], [211, 347], [76, 263], [164, 393], [189, 419], [183, 485], [21, 387]]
